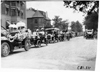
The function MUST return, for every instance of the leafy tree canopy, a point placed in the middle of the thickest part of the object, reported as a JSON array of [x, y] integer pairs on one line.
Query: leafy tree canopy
[[59, 23], [91, 21], [76, 26], [83, 6], [90, 7]]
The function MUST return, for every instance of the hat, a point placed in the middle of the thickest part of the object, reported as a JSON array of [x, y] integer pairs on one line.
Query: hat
[[37, 29], [42, 28]]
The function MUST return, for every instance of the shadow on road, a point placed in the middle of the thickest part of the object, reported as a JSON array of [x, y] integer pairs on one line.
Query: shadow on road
[[88, 58], [37, 47], [15, 52]]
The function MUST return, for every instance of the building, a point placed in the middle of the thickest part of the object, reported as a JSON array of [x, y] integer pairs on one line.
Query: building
[[12, 12], [37, 19]]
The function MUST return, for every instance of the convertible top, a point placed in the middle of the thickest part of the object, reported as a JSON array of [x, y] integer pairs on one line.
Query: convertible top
[[21, 24], [52, 29]]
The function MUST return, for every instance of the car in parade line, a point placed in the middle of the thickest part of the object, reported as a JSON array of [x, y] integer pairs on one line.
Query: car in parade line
[[52, 35], [17, 36], [88, 33], [39, 37]]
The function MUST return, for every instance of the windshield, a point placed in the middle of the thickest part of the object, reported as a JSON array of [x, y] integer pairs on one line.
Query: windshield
[[89, 31], [12, 29], [20, 28]]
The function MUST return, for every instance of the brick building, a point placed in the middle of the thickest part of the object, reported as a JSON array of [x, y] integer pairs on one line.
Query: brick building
[[37, 19], [12, 12]]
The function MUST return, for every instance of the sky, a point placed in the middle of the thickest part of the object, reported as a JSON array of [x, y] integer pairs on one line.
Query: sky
[[56, 8]]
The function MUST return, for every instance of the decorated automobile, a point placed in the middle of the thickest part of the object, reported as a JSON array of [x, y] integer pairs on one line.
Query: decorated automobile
[[89, 33], [5, 43], [68, 35], [35, 39], [17, 37], [50, 35], [39, 37], [43, 36]]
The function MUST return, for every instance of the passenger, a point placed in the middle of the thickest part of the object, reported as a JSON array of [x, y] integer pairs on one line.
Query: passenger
[[35, 33], [42, 31]]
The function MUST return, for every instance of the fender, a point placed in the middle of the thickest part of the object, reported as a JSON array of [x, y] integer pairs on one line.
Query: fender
[[4, 38]]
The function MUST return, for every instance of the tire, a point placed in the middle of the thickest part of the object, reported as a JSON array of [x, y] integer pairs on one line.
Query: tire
[[11, 51], [60, 39], [46, 42], [5, 49], [57, 40], [11, 48], [38, 44], [68, 39], [27, 45], [54, 40]]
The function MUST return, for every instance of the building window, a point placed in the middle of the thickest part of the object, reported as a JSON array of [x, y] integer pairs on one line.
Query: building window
[[7, 2], [13, 12], [22, 3], [18, 3], [7, 11], [36, 20], [13, 3]]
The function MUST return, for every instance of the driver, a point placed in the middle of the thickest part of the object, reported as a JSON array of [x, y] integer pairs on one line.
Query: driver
[[42, 31], [36, 32]]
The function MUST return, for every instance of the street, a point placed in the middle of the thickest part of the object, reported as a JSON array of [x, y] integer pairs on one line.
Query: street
[[77, 54]]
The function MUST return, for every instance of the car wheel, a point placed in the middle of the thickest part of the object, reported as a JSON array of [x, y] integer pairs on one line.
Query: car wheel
[[46, 42], [5, 49], [11, 48], [38, 44], [27, 45]]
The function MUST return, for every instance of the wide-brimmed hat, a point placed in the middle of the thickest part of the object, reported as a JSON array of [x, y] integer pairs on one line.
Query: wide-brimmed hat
[[20, 23], [37, 29]]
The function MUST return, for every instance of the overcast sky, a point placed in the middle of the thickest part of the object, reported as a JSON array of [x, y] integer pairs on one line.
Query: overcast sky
[[56, 8]]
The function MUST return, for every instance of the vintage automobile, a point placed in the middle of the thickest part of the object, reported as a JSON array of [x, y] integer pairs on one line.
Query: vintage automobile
[[43, 37], [89, 33], [52, 35], [39, 37], [62, 36], [35, 40], [68, 35], [5, 43], [16, 37]]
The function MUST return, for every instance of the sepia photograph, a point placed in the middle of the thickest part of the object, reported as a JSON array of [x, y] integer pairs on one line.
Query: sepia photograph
[[49, 34]]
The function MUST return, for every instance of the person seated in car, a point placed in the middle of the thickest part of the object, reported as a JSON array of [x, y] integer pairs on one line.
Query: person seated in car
[[42, 31]]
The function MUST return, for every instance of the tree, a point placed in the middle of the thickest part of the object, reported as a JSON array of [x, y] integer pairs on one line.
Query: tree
[[59, 23], [64, 25], [91, 8], [83, 6], [91, 21], [73, 28], [76, 26]]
